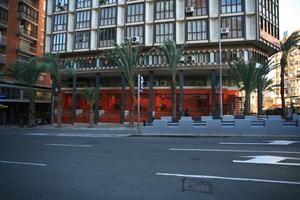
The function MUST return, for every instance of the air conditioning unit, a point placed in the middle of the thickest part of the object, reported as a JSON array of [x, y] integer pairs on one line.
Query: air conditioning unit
[[189, 10], [136, 40], [224, 30]]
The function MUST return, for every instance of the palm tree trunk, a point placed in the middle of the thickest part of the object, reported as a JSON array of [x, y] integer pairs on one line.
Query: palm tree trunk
[[283, 63], [173, 88], [91, 121], [247, 103], [31, 110], [131, 115], [59, 110]]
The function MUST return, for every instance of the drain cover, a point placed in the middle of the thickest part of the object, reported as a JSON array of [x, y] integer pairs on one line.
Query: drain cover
[[196, 185]]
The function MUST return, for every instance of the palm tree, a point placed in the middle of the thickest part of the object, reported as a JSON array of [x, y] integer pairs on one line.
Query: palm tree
[[127, 57], [286, 47], [27, 73], [172, 55], [247, 76], [56, 68], [90, 96]]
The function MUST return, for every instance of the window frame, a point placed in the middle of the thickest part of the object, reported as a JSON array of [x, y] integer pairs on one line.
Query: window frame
[[83, 4], [198, 9], [86, 19], [81, 44], [233, 31], [107, 16], [231, 7], [134, 16], [63, 22], [200, 32], [164, 11], [164, 35], [62, 45], [109, 42]]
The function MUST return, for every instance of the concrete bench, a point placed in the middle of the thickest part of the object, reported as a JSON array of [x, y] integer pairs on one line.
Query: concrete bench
[[159, 123], [206, 118], [228, 121]]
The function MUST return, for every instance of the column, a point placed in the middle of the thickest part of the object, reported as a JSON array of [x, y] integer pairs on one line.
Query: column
[[96, 119], [74, 91], [150, 110], [181, 85], [123, 95], [213, 94], [53, 87], [259, 98]]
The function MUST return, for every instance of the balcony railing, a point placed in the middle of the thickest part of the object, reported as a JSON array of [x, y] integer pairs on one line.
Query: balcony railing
[[2, 59], [2, 41], [30, 2], [26, 48], [23, 31], [28, 17]]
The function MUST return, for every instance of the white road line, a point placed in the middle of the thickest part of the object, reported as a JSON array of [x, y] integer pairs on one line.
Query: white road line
[[245, 143], [36, 134], [22, 163], [273, 142], [233, 150], [68, 145], [229, 178]]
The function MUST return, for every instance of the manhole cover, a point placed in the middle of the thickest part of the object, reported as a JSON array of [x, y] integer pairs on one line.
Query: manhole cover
[[197, 185]]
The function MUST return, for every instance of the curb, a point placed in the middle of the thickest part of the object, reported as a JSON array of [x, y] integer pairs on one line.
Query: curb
[[211, 136]]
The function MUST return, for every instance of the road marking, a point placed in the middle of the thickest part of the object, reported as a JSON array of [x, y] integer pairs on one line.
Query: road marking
[[22, 163], [69, 145], [273, 142], [233, 150], [229, 178], [36, 134], [269, 160]]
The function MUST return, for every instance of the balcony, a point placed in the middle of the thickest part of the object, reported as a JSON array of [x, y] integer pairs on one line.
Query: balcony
[[31, 3], [26, 49], [4, 4], [25, 16], [26, 33], [3, 23], [2, 59], [2, 41]]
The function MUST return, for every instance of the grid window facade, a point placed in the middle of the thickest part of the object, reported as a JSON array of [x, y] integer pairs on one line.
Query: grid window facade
[[82, 40], [164, 9], [60, 5], [135, 31], [83, 19], [200, 7], [135, 13], [269, 17], [231, 6], [235, 25], [60, 22], [59, 42], [107, 37], [197, 30], [108, 16], [107, 2], [83, 3], [164, 31]]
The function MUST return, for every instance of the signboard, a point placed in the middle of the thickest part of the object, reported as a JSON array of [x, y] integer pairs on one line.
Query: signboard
[[264, 35]]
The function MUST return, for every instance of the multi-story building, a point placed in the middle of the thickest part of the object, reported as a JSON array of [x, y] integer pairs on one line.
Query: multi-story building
[[83, 30], [22, 37], [292, 80]]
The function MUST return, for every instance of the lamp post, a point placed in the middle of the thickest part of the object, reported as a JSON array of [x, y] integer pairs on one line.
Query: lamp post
[[220, 61]]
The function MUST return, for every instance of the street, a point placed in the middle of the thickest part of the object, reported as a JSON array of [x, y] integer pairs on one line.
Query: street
[[46, 166]]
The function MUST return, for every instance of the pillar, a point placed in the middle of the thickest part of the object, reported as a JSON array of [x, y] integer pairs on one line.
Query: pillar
[[74, 91], [259, 98], [150, 110], [123, 96], [213, 95], [181, 85], [96, 119], [53, 87]]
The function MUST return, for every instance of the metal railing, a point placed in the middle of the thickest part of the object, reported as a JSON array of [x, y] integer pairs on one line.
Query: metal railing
[[26, 48], [23, 31], [30, 2], [29, 17], [3, 40]]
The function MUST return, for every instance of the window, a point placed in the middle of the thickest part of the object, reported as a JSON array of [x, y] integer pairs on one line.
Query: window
[[28, 13], [60, 5], [82, 40], [83, 3], [135, 31], [164, 9], [28, 28], [106, 2], [107, 16], [200, 7], [135, 12], [3, 16], [235, 25], [197, 30], [231, 6], [59, 42], [60, 22], [107, 37], [164, 31], [83, 19]]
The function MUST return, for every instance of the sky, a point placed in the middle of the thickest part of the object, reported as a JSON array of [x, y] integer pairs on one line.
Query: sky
[[289, 16]]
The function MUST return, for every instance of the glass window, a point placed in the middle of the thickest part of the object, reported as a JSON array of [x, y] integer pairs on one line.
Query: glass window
[[231, 6], [83, 19], [82, 40], [164, 9], [200, 7], [59, 42], [83, 3], [60, 5], [135, 12], [107, 37], [107, 16], [3, 16], [28, 13], [164, 31], [60, 22], [197, 30], [135, 31], [28, 28], [235, 25], [106, 2]]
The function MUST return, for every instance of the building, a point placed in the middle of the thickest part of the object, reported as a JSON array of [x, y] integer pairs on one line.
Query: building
[[292, 80], [83, 29], [22, 37]]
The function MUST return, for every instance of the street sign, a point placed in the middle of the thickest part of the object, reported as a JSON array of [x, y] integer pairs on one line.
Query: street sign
[[270, 160]]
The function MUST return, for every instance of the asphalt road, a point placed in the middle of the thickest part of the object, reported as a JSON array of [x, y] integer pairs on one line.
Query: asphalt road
[[43, 167]]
